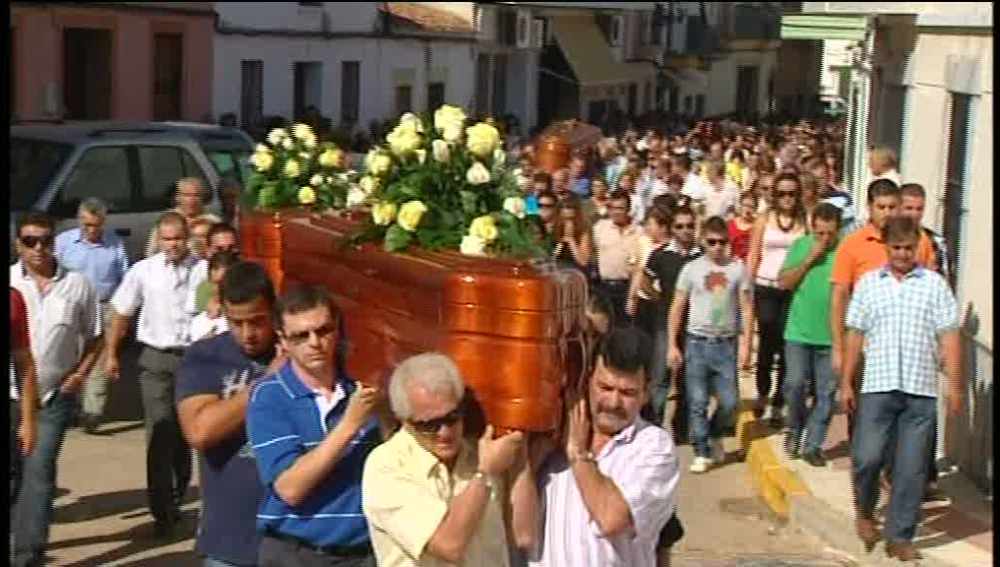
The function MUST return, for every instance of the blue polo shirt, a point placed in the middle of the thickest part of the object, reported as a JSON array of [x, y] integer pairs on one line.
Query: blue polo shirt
[[283, 423], [104, 263]]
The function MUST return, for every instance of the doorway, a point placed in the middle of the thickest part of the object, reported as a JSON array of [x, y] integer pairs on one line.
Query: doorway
[[168, 58], [87, 74]]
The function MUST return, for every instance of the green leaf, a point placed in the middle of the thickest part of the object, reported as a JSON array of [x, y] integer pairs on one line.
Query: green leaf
[[397, 238]]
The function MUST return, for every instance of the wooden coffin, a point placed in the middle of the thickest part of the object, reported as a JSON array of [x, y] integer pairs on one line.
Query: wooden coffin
[[514, 328], [555, 144]]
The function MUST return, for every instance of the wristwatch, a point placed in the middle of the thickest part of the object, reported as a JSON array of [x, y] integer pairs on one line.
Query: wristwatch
[[486, 480], [584, 457]]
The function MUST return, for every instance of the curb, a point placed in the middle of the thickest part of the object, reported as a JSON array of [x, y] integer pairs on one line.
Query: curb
[[777, 484]]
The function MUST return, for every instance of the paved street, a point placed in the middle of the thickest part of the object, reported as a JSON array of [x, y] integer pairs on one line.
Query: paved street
[[101, 516]]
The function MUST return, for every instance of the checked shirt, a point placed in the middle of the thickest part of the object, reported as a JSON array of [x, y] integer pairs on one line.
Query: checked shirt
[[901, 321]]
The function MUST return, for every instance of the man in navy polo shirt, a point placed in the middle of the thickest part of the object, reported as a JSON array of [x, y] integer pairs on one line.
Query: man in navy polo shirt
[[212, 392], [312, 428]]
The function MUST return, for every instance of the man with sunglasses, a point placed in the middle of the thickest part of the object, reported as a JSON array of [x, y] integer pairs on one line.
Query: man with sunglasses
[[714, 286], [311, 428], [213, 386], [431, 498], [64, 336], [159, 285]]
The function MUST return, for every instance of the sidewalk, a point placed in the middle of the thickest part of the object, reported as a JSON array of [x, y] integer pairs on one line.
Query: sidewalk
[[820, 500]]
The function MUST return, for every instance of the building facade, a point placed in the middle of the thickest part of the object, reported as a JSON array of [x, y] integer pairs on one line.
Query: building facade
[[111, 61]]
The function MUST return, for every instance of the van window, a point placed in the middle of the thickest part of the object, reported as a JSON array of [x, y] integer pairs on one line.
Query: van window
[[103, 173], [161, 168], [231, 164], [33, 163]]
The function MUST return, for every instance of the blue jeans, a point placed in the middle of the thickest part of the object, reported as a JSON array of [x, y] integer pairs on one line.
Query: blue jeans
[[210, 562], [710, 362], [32, 510], [903, 423], [659, 377], [805, 363]]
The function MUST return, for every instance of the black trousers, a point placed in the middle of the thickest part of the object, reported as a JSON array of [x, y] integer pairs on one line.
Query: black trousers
[[274, 552], [616, 291], [771, 308], [168, 456]]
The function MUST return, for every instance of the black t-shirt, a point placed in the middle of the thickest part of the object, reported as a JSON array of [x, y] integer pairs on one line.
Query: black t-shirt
[[231, 492], [664, 266]]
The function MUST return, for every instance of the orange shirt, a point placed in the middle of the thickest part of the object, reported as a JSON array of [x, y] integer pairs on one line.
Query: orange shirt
[[864, 251]]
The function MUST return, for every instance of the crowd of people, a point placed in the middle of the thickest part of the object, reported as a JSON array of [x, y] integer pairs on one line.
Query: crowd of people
[[700, 249]]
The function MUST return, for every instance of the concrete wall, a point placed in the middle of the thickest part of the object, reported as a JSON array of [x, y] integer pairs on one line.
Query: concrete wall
[[38, 70], [384, 63]]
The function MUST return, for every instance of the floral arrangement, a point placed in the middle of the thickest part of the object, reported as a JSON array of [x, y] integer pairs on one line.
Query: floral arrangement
[[294, 169], [439, 184]]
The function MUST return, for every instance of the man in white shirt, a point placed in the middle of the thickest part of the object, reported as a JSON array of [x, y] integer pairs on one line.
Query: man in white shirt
[[160, 285], [693, 186], [882, 164], [190, 196], [64, 331], [615, 240], [607, 496]]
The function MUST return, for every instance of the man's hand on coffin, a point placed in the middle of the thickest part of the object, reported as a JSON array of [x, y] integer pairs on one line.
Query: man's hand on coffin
[[498, 455], [578, 429], [362, 405]]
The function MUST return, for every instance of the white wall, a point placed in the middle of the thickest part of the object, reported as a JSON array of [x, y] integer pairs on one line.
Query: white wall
[[723, 78], [379, 58]]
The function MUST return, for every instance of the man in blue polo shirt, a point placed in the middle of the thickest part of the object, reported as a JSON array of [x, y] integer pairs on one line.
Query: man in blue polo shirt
[[212, 392], [312, 428]]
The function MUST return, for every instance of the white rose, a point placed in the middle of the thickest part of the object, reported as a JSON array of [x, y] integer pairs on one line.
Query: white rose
[[355, 197], [276, 136], [287, 143], [309, 142], [261, 148], [413, 120], [448, 116], [472, 245], [477, 174], [441, 152], [301, 131], [514, 206], [305, 155], [421, 156], [329, 180], [452, 134], [499, 156], [368, 184], [316, 180]]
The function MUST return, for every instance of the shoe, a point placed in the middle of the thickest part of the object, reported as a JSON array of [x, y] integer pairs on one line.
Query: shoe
[[700, 465], [867, 532], [902, 550], [718, 452], [90, 423], [776, 419], [767, 413], [814, 458], [792, 444], [934, 494]]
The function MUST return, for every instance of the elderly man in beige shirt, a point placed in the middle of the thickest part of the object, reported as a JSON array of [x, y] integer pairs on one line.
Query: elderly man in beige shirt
[[190, 204], [616, 242], [430, 497]]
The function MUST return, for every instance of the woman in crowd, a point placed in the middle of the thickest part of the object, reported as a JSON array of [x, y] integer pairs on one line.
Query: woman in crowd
[[741, 225], [772, 236], [573, 244], [721, 194], [763, 189]]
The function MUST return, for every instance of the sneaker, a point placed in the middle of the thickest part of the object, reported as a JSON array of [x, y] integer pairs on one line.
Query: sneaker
[[718, 452], [767, 414], [792, 444], [776, 418], [700, 465], [814, 458]]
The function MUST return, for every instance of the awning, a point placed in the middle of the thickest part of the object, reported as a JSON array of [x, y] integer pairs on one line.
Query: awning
[[589, 55], [822, 26]]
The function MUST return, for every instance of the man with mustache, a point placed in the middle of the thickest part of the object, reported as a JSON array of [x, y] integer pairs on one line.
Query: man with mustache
[[607, 496]]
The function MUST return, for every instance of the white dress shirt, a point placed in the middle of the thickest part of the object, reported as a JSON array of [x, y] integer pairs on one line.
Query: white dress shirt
[[642, 463], [60, 323], [162, 290]]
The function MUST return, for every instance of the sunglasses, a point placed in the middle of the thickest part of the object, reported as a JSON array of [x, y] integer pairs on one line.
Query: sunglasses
[[32, 241], [432, 426], [546, 205], [780, 194], [716, 241], [689, 226], [302, 336]]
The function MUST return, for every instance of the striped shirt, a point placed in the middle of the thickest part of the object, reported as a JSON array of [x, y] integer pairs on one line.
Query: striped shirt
[[284, 422], [642, 463], [901, 321]]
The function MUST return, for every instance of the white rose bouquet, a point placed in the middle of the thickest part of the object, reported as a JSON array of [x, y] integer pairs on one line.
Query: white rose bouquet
[[293, 168], [438, 184]]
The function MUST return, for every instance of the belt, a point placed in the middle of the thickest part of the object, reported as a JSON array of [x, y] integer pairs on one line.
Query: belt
[[705, 339], [176, 351], [336, 550], [615, 282]]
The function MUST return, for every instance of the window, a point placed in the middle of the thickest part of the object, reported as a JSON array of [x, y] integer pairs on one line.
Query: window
[[33, 163], [350, 91], [161, 167], [482, 84], [500, 85], [102, 173], [87, 74], [699, 105], [955, 211], [404, 99], [251, 93], [435, 96], [308, 77]]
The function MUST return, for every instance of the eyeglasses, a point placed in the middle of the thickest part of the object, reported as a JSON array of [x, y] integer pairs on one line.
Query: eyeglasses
[[432, 426], [320, 332], [546, 205], [689, 226], [33, 241], [716, 241]]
